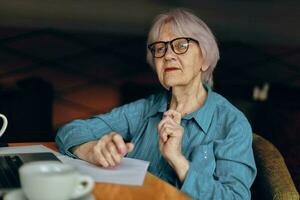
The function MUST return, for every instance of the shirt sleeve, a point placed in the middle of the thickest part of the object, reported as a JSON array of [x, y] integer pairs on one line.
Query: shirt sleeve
[[124, 120], [224, 168]]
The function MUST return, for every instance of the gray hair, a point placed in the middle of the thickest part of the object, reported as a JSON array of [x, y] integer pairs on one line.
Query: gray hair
[[187, 24]]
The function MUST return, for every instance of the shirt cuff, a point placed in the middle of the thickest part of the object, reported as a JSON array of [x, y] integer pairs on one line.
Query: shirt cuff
[[199, 178], [189, 181], [66, 143]]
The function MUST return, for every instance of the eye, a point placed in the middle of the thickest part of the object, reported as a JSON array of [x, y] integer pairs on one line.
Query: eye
[[182, 46], [160, 49]]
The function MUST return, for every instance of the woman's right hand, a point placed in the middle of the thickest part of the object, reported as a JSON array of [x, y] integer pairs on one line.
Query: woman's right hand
[[107, 152]]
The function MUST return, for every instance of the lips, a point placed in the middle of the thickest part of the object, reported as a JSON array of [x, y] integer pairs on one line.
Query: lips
[[169, 69]]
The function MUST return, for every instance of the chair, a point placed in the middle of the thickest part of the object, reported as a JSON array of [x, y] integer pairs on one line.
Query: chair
[[273, 178]]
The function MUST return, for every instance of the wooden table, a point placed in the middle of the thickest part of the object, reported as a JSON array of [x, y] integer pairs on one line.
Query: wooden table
[[153, 187]]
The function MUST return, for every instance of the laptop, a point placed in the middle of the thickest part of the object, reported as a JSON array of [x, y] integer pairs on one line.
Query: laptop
[[10, 164]]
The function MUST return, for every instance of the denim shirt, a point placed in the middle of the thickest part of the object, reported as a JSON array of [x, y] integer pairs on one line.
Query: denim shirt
[[217, 142]]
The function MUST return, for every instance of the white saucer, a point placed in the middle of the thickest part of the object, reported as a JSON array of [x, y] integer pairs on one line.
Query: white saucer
[[19, 195]]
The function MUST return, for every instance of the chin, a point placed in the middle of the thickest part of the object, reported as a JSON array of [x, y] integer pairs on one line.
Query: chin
[[172, 83]]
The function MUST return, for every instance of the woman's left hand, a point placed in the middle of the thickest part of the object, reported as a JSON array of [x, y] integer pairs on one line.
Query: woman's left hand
[[170, 136]]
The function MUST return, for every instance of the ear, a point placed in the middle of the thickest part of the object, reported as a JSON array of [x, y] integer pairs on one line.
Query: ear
[[204, 67]]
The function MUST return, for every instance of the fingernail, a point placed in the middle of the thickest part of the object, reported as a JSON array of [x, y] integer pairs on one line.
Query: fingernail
[[123, 153]]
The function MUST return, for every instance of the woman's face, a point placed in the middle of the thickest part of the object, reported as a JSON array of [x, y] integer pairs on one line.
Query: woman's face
[[178, 69]]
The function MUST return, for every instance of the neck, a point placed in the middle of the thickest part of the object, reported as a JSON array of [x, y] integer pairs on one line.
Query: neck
[[187, 99]]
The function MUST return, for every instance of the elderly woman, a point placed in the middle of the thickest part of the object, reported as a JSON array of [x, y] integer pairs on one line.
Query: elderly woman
[[193, 137]]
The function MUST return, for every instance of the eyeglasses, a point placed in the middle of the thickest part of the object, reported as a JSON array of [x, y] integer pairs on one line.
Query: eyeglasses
[[178, 45]]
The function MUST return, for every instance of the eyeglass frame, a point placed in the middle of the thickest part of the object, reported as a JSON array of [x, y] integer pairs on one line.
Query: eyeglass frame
[[170, 42]]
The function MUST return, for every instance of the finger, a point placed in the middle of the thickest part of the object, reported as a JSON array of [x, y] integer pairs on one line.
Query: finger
[[173, 122], [169, 124], [164, 137], [168, 120], [100, 160], [130, 146], [162, 122], [166, 133], [97, 157], [120, 144], [172, 132], [109, 136], [114, 152], [108, 157], [174, 115], [105, 138]]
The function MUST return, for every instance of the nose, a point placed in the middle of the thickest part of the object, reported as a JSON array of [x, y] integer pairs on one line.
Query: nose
[[170, 55]]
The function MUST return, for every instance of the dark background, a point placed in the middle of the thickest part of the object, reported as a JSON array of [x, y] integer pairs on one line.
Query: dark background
[[62, 60]]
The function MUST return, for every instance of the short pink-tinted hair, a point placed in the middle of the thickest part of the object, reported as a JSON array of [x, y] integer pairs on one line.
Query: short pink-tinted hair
[[187, 24]]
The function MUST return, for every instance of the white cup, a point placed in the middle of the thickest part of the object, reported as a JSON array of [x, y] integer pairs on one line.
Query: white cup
[[52, 180], [4, 125]]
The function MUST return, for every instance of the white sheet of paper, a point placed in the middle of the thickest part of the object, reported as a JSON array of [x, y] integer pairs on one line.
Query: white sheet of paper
[[129, 172]]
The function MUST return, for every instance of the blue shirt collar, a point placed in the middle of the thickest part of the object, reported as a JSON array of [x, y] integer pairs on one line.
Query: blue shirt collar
[[203, 116]]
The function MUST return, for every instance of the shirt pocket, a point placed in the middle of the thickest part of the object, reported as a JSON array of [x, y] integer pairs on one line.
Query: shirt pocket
[[202, 158]]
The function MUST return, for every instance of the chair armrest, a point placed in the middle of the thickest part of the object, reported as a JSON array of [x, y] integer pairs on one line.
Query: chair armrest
[[273, 176]]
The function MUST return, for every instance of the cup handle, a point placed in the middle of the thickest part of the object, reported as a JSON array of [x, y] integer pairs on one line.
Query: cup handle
[[83, 187], [4, 124]]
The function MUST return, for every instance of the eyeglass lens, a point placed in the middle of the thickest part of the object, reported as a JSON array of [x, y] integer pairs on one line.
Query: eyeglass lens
[[179, 46]]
